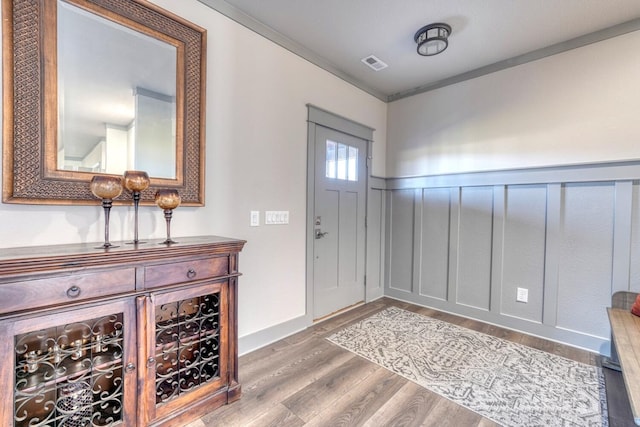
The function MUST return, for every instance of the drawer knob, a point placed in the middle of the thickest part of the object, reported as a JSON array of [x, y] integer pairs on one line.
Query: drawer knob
[[191, 273], [130, 367], [73, 292]]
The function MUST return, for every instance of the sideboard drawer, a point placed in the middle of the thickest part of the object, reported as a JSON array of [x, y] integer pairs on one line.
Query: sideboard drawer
[[18, 296], [184, 272]]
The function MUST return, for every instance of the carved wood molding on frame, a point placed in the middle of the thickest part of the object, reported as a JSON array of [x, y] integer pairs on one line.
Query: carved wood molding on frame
[[30, 125]]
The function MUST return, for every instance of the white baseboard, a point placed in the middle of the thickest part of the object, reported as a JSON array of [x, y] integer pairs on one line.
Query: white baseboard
[[256, 340]]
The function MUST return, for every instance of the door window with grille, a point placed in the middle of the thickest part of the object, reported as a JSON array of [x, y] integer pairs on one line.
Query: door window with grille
[[342, 161]]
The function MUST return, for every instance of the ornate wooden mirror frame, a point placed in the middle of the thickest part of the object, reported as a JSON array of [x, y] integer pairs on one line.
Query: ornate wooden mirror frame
[[30, 101]]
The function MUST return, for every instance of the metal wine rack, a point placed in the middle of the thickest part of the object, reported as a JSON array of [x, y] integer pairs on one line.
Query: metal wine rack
[[70, 375], [187, 352]]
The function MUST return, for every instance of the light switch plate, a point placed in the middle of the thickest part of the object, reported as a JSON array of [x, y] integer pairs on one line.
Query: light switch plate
[[276, 217], [255, 218]]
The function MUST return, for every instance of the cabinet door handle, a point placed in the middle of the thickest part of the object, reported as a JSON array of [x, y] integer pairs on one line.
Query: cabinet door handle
[[191, 273], [73, 292], [130, 367], [151, 361]]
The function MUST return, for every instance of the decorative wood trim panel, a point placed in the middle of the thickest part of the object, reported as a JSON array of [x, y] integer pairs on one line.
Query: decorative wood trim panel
[[497, 282], [375, 244], [475, 247], [591, 172], [400, 237], [586, 257], [433, 274], [622, 236], [522, 250], [634, 257], [552, 255], [569, 235]]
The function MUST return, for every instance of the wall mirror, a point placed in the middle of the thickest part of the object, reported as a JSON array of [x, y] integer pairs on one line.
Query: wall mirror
[[99, 87]]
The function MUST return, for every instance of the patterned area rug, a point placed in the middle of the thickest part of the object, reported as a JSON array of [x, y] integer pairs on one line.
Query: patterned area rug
[[511, 384]]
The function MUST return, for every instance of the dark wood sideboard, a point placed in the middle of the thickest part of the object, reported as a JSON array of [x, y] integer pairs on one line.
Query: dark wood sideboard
[[138, 335]]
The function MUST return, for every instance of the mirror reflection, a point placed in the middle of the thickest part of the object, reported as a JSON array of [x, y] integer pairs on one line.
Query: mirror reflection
[[116, 97]]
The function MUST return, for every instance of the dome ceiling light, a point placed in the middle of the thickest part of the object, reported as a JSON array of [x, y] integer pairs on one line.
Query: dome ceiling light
[[432, 39]]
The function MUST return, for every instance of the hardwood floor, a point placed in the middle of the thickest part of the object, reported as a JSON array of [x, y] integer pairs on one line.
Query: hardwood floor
[[304, 380]]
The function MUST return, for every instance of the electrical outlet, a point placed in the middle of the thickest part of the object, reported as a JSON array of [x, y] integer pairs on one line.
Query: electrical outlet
[[255, 218], [522, 295]]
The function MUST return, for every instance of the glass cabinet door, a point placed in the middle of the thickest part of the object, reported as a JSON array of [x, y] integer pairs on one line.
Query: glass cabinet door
[[188, 347], [75, 368]]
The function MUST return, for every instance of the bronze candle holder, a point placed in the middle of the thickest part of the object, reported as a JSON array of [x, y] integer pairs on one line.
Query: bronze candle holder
[[106, 188], [168, 200], [136, 182]]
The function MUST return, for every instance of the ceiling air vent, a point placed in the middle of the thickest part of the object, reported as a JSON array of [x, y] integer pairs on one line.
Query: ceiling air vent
[[374, 63]]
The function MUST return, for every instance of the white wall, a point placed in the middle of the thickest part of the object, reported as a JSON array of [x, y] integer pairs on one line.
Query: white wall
[[576, 107], [256, 140]]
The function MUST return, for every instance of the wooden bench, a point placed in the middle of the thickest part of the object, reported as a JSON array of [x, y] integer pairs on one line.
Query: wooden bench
[[625, 330]]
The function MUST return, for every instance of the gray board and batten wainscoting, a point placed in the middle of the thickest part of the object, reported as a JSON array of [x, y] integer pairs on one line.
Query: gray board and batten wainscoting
[[464, 243]]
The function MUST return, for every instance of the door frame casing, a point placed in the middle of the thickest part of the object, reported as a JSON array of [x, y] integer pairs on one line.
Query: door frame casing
[[318, 116]]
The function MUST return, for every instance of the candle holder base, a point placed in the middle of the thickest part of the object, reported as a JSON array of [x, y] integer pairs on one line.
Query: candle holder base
[[107, 246]]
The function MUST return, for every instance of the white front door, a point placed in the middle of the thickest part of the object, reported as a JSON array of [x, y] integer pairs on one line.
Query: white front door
[[339, 221]]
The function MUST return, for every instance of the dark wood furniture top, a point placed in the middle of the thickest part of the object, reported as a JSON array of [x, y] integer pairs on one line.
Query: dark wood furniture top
[[34, 258], [50, 262]]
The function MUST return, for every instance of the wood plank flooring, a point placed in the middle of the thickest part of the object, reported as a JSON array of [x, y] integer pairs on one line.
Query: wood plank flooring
[[304, 380]]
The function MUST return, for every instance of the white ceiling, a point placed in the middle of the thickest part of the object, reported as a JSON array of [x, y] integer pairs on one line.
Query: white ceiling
[[486, 35]]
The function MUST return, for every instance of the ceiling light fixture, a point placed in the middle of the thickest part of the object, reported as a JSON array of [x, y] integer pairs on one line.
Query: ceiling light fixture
[[432, 39]]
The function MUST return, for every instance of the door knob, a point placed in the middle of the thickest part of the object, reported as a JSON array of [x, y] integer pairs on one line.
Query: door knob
[[320, 234]]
